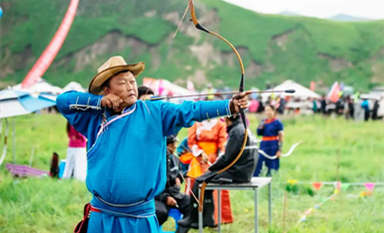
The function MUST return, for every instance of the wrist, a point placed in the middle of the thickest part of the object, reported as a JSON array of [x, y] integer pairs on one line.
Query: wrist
[[232, 107]]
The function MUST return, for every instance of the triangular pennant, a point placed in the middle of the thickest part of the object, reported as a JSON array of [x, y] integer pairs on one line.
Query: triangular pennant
[[369, 186], [337, 185], [292, 182], [317, 185]]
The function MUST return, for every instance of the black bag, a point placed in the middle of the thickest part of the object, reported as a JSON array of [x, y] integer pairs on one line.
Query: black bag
[[82, 226]]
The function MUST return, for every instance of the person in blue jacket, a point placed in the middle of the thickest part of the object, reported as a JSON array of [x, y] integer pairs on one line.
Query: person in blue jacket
[[271, 130], [127, 144]]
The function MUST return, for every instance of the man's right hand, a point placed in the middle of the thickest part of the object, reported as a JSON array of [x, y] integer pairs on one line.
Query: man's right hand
[[112, 101], [171, 201]]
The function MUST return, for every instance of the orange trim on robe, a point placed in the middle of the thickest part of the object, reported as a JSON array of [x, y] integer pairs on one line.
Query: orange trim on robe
[[194, 170], [226, 211]]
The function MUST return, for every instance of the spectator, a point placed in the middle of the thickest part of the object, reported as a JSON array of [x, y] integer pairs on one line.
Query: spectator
[[375, 110], [323, 105], [171, 197], [144, 93], [76, 161], [207, 142], [239, 173], [365, 106], [271, 130]]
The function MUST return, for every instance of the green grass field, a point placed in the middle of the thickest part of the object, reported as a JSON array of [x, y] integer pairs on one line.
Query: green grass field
[[332, 149]]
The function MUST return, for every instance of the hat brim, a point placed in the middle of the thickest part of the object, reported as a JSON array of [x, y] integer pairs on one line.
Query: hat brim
[[95, 86]]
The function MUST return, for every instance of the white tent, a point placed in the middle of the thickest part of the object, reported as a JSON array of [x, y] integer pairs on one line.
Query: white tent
[[40, 87], [15, 103], [300, 91], [75, 86], [163, 87]]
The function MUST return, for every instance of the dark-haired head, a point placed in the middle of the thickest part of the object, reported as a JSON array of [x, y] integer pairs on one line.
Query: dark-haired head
[[270, 111], [271, 106], [144, 92]]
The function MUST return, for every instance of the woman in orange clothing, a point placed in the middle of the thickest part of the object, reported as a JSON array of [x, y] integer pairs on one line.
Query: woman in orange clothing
[[207, 141]]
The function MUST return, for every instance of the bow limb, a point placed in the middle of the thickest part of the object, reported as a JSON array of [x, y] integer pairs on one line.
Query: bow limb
[[241, 89], [217, 35], [293, 147]]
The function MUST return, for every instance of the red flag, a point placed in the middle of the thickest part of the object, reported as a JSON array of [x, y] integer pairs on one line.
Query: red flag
[[312, 86], [52, 49], [317, 185], [334, 93]]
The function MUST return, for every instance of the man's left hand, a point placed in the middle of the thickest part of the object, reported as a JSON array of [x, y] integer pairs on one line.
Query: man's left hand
[[239, 101], [278, 154]]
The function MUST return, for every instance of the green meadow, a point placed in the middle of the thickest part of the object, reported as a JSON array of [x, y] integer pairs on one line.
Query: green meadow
[[332, 149]]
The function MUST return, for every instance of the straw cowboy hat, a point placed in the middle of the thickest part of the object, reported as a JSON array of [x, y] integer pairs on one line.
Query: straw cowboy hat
[[111, 67]]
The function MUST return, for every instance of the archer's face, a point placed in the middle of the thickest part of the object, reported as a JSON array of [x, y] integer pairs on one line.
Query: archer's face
[[124, 85]]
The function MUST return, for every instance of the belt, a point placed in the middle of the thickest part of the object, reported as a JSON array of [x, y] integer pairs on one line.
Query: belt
[[141, 209], [270, 138]]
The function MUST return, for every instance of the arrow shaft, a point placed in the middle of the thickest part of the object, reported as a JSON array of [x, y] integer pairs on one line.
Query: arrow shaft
[[216, 93]]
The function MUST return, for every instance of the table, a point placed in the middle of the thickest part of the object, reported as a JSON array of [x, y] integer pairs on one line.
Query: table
[[255, 184]]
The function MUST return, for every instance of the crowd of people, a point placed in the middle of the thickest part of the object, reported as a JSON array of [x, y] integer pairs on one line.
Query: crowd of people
[[351, 107]]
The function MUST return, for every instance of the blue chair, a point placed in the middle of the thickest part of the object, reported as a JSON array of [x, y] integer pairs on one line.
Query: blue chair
[[61, 168], [176, 215]]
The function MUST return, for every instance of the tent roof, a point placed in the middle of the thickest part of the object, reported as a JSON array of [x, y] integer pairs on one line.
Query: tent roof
[[15, 103], [11, 94], [301, 91], [73, 86], [40, 87], [164, 87]]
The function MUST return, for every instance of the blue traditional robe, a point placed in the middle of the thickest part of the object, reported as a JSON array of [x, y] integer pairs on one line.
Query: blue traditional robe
[[270, 145], [127, 155]]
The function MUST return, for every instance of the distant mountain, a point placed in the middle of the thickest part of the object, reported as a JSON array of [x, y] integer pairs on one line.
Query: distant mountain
[[274, 47], [348, 18]]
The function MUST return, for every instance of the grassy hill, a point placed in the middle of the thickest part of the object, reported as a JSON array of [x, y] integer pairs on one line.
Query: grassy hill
[[274, 48]]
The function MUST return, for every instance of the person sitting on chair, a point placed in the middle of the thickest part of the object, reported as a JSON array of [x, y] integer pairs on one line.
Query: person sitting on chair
[[171, 197], [240, 172]]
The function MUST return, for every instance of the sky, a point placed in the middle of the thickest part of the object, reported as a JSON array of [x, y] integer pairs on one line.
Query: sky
[[371, 9]]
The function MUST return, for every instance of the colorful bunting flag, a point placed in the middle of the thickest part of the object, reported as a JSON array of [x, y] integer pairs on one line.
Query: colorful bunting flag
[[317, 185], [369, 186], [337, 185]]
